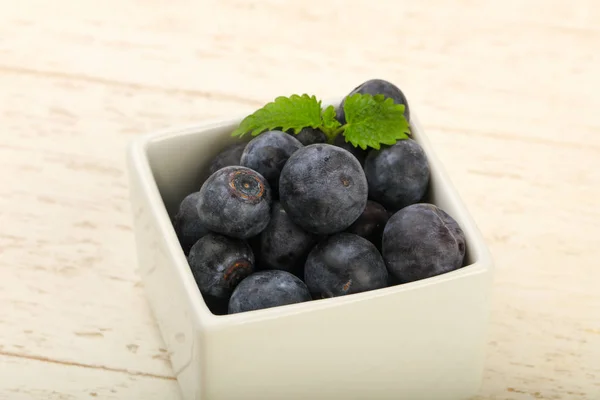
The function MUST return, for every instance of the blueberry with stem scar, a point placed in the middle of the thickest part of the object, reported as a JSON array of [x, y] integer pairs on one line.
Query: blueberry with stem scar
[[235, 201], [218, 263]]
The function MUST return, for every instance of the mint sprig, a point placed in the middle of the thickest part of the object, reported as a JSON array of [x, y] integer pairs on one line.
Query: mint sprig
[[329, 122], [371, 120], [294, 112], [374, 120]]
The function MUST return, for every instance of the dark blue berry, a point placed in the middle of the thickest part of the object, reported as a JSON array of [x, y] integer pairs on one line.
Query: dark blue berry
[[230, 156], [187, 224], [398, 175], [344, 264], [218, 263], [284, 245], [309, 136], [421, 241], [266, 289], [254, 243], [374, 87], [267, 154], [235, 201], [360, 154], [323, 188], [371, 223]]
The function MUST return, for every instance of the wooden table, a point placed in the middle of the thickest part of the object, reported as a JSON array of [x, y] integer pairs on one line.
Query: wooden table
[[508, 91]]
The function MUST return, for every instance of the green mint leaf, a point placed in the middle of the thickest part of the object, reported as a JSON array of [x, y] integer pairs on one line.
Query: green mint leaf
[[329, 122], [374, 120], [285, 113]]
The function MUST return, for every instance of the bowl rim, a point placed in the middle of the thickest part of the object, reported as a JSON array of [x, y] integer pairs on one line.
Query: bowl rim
[[140, 169]]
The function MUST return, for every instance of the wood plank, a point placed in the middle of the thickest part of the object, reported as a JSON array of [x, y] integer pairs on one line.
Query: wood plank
[[26, 379], [67, 276], [505, 90], [483, 68]]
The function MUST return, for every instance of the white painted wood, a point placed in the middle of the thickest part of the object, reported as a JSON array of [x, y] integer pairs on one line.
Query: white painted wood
[[507, 91], [33, 379]]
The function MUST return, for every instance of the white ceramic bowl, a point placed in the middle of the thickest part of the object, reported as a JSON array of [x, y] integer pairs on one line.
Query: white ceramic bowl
[[421, 340]]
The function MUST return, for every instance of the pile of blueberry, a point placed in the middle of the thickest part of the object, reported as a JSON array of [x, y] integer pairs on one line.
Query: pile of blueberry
[[289, 218]]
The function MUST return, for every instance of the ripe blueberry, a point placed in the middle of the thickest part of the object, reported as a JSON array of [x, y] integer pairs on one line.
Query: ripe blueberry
[[421, 241], [218, 263], [323, 188], [398, 175], [266, 289], [371, 223], [235, 201], [230, 156], [344, 264], [267, 154], [309, 135], [187, 224], [283, 244], [373, 87]]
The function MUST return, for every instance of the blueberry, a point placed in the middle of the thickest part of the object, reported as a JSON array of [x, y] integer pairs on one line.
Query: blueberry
[[371, 223], [398, 175], [373, 87], [266, 289], [421, 241], [323, 188], [267, 154], [309, 136], [230, 156], [235, 201], [344, 264], [254, 243], [283, 244], [187, 224], [218, 263], [360, 154]]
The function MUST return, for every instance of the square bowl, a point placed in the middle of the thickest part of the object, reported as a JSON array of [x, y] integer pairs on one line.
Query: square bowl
[[419, 340]]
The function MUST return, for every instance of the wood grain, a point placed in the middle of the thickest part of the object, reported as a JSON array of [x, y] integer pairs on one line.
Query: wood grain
[[507, 91], [77, 382]]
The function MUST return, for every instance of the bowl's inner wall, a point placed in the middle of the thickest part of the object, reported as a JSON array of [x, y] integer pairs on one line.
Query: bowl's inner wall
[[179, 163]]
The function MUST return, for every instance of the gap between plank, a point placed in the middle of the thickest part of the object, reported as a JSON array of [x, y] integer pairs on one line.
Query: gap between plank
[[81, 365]]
